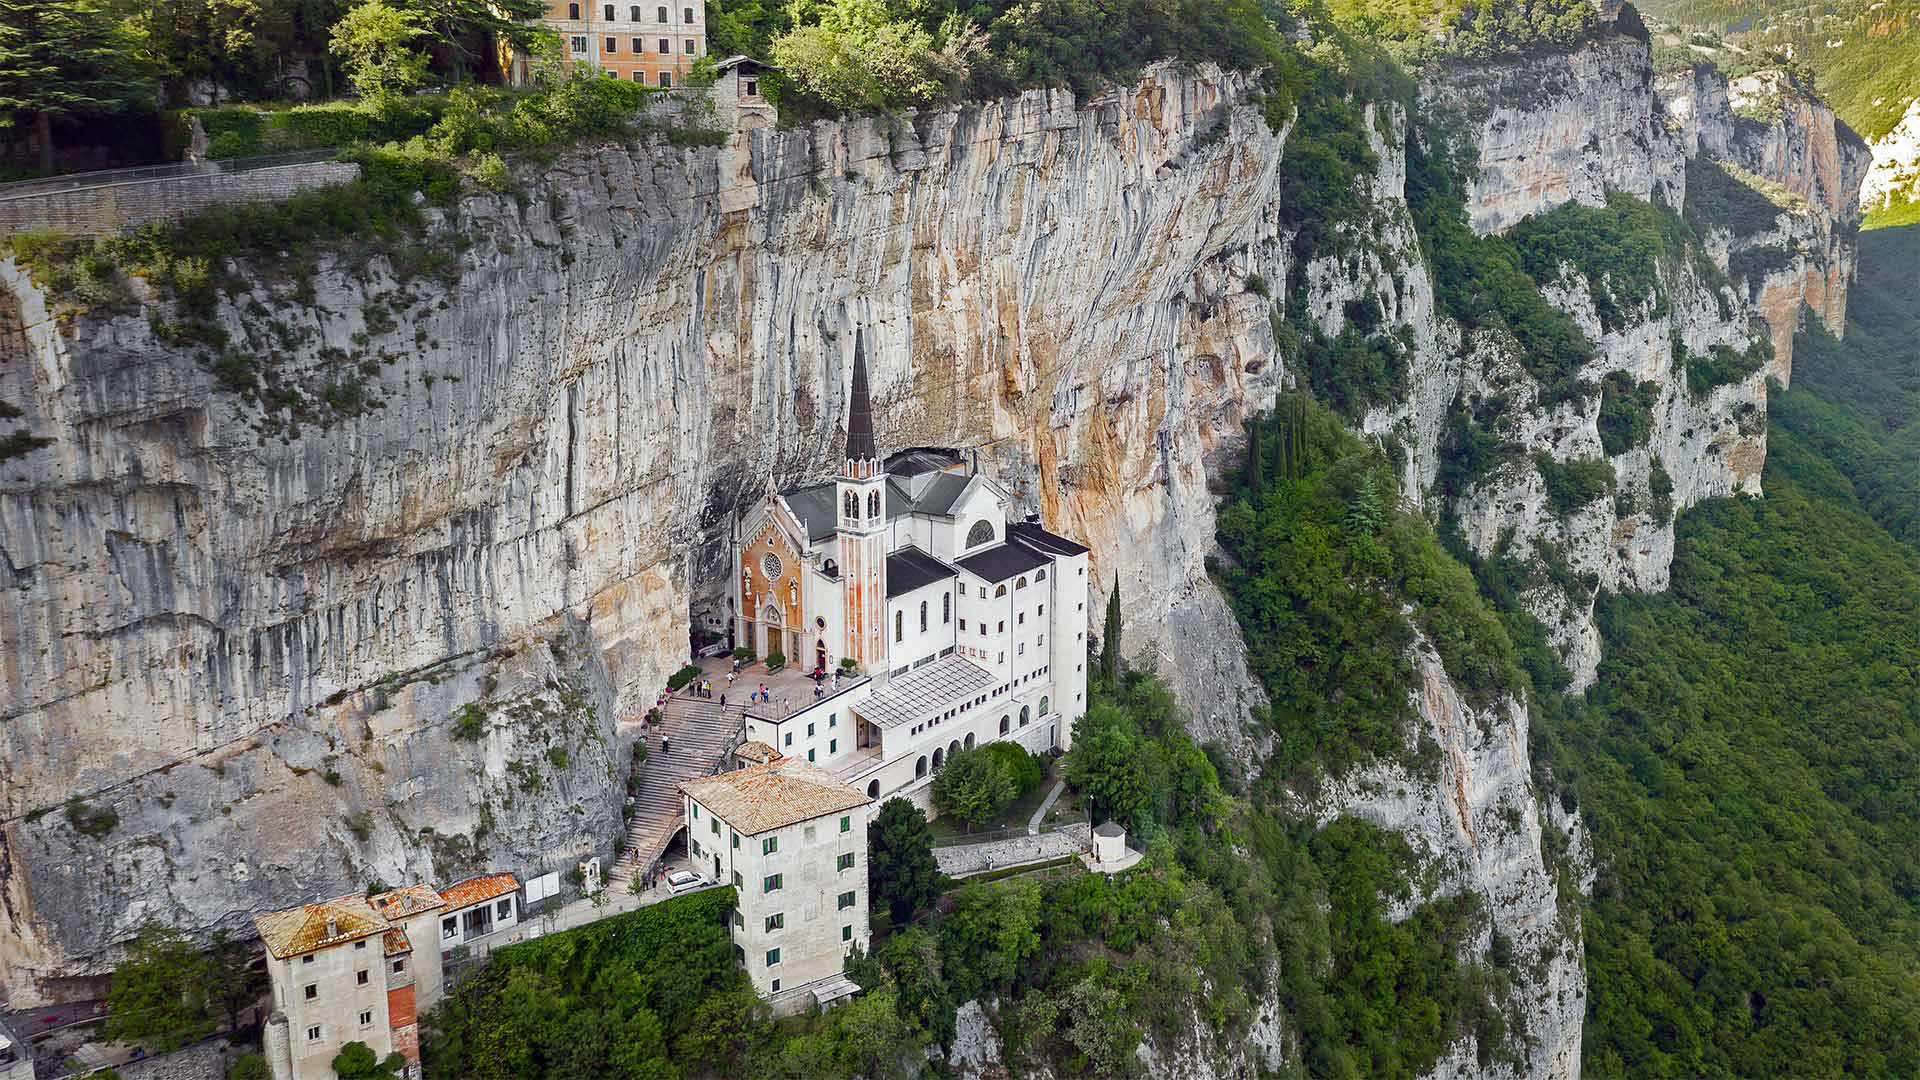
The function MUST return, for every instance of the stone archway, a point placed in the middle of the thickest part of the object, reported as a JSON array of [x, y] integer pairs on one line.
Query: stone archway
[[920, 767]]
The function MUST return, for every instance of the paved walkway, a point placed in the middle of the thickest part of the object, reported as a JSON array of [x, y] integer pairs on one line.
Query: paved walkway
[[967, 859], [1046, 804]]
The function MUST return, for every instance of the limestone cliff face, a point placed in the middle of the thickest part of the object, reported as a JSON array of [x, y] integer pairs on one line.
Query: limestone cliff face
[[636, 345]]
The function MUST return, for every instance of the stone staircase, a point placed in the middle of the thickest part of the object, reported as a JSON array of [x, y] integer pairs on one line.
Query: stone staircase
[[702, 733]]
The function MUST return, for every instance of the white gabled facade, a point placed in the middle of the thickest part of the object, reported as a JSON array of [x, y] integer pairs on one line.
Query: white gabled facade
[[967, 624]]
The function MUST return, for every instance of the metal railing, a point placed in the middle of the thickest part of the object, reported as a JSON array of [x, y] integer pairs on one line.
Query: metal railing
[[141, 174]]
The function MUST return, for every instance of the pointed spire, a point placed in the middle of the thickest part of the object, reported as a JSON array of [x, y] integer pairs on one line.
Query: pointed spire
[[860, 408]]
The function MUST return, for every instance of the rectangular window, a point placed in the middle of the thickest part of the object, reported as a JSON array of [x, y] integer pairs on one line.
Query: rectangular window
[[313, 992], [366, 1018], [809, 755], [809, 731], [846, 823], [846, 862], [1022, 620], [833, 720], [713, 826], [773, 883], [665, 47], [773, 957], [639, 46], [503, 910], [1043, 610], [789, 734], [736, 879], [360, 977], [579, 44], [307, 959], [361, 944], [770, 845], [613, 45], [846, 932], [313, 1033], [690, 49], [736, 841], [777, 921], [963, 626], [846, 900], [400, 965], [696, 811], [695, 845], [1001, 627], [833, 746], [666, 79], [606, 12]]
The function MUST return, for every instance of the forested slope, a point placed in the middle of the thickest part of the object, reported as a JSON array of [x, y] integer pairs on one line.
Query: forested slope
[[1749, 759]]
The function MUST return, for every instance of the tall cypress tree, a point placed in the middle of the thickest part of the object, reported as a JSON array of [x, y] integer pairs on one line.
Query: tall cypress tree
[[1110, 637]]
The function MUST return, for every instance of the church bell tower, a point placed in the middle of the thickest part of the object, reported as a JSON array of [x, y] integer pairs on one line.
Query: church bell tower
[[861, 488]]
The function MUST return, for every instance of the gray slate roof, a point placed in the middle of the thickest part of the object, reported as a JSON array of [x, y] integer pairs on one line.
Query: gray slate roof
[[1002, 561], [910, 568]]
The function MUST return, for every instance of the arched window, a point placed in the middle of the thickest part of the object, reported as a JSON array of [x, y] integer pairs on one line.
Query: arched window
[[1000, 591], [1043, 706], [873, 789], [573, 11], [946, 608], [936, 758], [1026, 715], [687, 14], [832, 568], [920, 767], [981, 533], [899, 626], [873, 504], [969, 743], [851, 506], [1022, 583], [1006, 722], [663, 15], [923, 616], [606, 12], [633, 13], [1041, 576]]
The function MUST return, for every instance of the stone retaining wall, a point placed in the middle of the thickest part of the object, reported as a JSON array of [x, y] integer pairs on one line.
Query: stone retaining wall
[[117, 207]]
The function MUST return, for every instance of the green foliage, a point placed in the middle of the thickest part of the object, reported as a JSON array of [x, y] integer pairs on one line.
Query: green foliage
[[1721, 194], [1860, 408], [1110, 652], [1355, 371], [1746, 761], [1724, 366], [1660, 486], [682, 677], [973, 787], [1625, 250], [470, 722], [67, 58], [1483, 280], [624, 997], [356, 1061], [901, 874], [158, 996], [1573, 485], [243, 130], [249, 1067], [857, 58], [1133, 762], [1626, 413], [1026, 770], [375, 42], [1318, 591], [92, 821]]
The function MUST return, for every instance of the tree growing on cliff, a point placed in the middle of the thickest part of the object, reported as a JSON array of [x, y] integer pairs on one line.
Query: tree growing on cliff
[[974, 786], [1110, 637], [855, 57], [901, 872], [158, 995], [66, 59]]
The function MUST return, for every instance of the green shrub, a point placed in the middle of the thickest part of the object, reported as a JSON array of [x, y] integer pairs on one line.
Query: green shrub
[[1626, 413], [95, 822], [1723, 366], [1572, 485], [1660, 487], [470, 722], [682, 677]]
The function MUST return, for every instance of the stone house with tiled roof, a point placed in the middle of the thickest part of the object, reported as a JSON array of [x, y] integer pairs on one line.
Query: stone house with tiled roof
[[792, 840], [362, 968]]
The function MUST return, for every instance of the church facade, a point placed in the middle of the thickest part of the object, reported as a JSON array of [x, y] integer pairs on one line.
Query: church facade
[[950, 621]]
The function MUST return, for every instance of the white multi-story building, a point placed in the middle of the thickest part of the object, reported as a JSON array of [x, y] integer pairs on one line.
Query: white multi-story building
[[957, 624], [362, 968], [653, 42], [792, 840]]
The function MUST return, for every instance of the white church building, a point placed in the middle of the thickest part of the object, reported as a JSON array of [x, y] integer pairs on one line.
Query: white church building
[[950, 621]]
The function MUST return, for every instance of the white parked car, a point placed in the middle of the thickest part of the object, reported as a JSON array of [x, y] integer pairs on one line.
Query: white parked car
[[684, 881]]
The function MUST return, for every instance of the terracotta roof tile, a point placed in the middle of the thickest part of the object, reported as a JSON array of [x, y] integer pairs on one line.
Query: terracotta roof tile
[[771, 796], [395, 942], [757, 752], [404, 902], [309, 927], [476, 890]]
